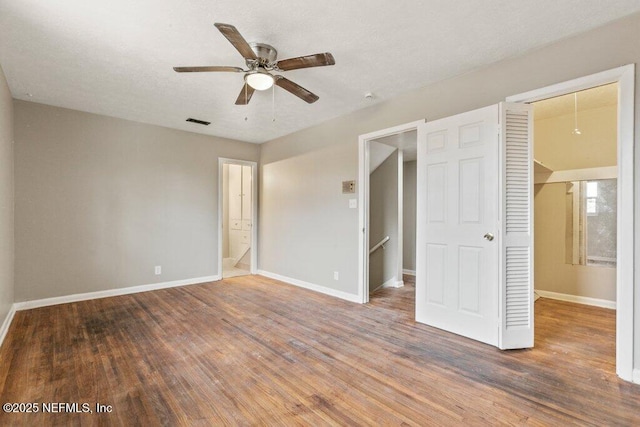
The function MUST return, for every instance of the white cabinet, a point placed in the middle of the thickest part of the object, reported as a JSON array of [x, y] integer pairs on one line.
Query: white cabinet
[[240, 210]]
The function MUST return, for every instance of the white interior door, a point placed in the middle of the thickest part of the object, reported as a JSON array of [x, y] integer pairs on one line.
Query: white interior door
[[457, 254], [474, 229]]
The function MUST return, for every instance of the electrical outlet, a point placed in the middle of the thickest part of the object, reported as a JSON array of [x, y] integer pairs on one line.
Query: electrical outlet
[[158, 270], [336, 275]]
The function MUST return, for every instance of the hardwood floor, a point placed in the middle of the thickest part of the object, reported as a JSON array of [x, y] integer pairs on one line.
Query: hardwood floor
[[251, 350]]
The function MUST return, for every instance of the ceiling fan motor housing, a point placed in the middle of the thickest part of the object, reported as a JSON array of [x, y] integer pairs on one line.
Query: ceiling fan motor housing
[[266, 54]]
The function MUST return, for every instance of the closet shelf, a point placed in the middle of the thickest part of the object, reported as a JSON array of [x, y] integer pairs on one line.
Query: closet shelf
[[541, 173], [539, 167]]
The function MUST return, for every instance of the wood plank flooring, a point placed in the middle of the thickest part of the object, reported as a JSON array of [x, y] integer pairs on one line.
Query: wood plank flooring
[[254, 351]]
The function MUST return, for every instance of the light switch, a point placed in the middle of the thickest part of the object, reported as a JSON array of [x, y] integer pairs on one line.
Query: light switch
[[353, 203]]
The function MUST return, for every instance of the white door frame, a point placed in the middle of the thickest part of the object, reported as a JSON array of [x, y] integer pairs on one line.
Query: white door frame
[[254, 210], [363, 205], [625, 278]]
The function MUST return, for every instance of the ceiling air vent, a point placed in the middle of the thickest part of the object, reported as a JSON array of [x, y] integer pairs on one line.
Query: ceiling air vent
[[200, 122]]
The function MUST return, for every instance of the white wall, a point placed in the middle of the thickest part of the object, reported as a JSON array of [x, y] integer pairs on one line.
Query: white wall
[[383, 221], [101, 201], [304, 216], [409, 215], [6, 199]]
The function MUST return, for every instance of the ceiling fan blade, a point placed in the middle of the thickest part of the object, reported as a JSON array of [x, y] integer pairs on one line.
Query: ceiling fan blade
[[201, 69], [317, 60], [236, 39], [296, 89], [245, 95]]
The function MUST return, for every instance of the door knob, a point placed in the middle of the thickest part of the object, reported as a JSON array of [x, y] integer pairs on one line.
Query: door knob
[[488, 236]]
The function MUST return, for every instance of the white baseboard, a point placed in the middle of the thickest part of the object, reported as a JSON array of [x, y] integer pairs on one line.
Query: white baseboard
[[391, 283], [7, 322], [636, 376], [311, 286], [26, 305], [409, 272], [577, 299]]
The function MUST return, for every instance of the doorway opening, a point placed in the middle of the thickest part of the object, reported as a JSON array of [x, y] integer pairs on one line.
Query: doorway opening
[[575, 209], [384, 204], [623, 78], [236, 216], [575, 196]]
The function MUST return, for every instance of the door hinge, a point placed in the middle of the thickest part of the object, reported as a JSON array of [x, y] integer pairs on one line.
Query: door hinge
[[499, 129]]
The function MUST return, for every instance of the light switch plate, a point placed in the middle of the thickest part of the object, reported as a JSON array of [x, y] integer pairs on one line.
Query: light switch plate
[[353, 203]]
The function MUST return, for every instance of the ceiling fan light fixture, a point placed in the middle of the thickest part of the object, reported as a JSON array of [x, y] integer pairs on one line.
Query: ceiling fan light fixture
[[259, 80]]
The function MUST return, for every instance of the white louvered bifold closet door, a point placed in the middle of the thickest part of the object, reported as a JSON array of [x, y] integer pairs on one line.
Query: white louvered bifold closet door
[[516, 287]]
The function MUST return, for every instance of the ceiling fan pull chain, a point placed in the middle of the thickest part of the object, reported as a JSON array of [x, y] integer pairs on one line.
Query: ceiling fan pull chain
[[246, 101], [273, 102]]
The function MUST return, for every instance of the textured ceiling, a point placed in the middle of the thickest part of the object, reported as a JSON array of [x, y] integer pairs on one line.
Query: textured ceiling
[[406, 141], [589, 99], [115, 57]]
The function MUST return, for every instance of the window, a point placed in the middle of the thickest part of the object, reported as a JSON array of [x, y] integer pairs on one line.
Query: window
[[591, 223]]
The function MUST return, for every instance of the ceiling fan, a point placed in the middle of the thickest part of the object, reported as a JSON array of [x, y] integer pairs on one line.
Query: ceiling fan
[[261, 61]]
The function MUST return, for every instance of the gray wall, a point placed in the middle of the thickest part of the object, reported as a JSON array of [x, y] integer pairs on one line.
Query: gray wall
[[6, 199], [331, 148], [101, 201], [306, 226], [383, 221], [409, 215]]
